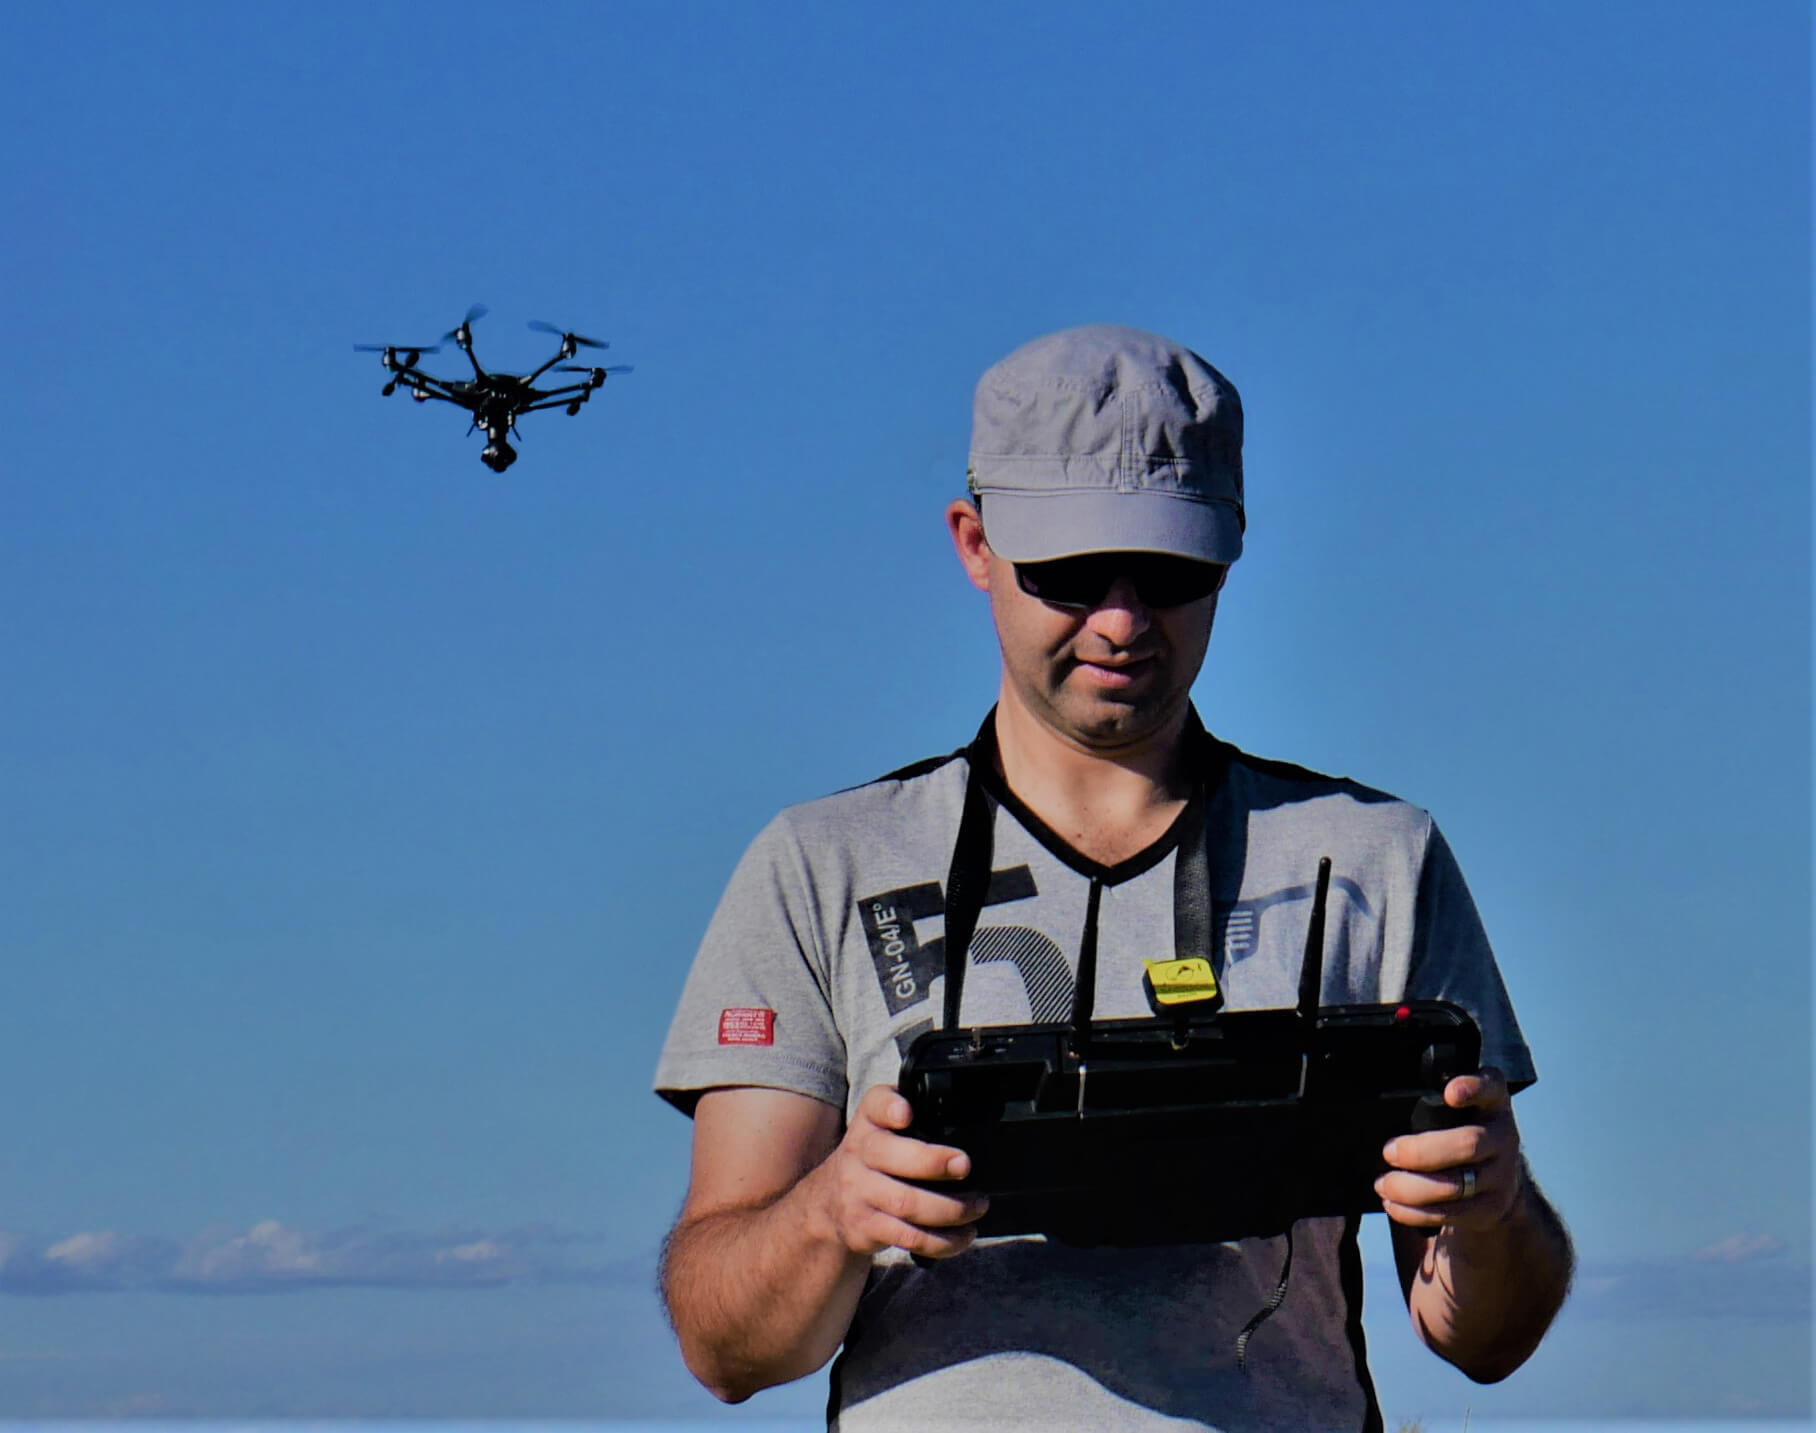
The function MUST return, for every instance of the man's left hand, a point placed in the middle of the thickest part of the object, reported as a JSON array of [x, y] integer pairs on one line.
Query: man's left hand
[[1469, 1176]]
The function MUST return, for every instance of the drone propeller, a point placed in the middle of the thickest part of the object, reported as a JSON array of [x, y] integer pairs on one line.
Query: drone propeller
[[394, 363], [478, 311], [595, 378], [541, 327]]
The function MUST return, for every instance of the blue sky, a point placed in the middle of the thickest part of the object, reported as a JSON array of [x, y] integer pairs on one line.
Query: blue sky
[[360, 809]]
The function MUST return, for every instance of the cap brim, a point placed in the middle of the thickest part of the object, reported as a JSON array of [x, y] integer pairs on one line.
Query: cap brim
[[1037, 527]]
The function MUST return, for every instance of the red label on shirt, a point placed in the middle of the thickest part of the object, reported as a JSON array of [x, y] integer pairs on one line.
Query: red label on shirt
[[747, 1027]]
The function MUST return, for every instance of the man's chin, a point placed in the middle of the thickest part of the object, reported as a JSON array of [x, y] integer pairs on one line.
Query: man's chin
[[1109, 720]]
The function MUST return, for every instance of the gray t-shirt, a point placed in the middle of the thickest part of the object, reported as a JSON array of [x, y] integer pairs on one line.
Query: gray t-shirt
[[825, 959]]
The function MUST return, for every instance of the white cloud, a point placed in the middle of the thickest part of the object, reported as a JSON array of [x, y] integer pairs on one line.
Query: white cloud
[[91, 1259], [266, 1252], [270, 1256], [480, 1251], [1735, 1278], [1738, 1248], [87, 1251]]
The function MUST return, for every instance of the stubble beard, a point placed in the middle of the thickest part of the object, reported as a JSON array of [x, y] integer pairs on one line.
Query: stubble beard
[[1107, 721]]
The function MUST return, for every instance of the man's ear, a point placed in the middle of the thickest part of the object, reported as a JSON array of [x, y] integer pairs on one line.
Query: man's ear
[[968, 541]]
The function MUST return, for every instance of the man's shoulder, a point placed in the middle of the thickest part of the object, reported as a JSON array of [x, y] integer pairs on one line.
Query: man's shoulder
[[1264, 784], [932, 789]]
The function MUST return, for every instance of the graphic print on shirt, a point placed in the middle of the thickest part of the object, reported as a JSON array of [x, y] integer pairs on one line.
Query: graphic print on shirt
[[1045, 973], [905, 968], [1234, 928]]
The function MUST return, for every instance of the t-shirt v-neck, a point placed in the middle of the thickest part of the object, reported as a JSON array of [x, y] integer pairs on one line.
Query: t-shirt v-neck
[[1126, 869]]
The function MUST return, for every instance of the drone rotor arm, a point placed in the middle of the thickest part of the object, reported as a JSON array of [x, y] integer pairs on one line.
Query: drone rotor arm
[[533, 376], [541, 395], [555, 397], [551, 400], [596, 376], [432, 387]]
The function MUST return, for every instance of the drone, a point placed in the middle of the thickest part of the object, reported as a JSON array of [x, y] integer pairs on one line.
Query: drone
[[496, 400]]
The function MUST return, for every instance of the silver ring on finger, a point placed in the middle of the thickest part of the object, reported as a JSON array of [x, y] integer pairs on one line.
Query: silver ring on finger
[[1469, 1184]]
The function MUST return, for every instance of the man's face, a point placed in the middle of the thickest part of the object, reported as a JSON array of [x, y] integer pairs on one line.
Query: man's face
[[1106, 676]]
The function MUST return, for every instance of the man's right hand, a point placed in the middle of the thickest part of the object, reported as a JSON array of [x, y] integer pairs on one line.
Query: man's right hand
[[785, 1206], [864, 1185]]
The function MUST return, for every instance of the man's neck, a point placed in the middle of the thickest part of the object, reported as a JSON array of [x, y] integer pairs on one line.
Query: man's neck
[[1107, 803]]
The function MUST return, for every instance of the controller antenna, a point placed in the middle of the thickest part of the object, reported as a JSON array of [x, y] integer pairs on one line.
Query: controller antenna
[[1311, 968]]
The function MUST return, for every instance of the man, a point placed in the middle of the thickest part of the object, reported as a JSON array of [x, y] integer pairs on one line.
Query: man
[[1107, 506]]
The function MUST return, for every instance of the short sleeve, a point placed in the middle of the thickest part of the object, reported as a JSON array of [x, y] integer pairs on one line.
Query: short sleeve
[[757, 1008], [1452, 960]]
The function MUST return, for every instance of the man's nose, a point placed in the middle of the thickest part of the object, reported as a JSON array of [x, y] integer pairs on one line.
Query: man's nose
[[1122, 616]]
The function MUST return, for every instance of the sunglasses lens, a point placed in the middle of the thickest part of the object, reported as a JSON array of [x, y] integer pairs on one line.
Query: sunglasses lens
[[1085, 581], [1065, 582], [1173, 582]]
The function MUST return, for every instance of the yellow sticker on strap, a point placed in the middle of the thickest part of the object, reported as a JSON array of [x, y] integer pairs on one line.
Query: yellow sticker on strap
[[1182, 982]]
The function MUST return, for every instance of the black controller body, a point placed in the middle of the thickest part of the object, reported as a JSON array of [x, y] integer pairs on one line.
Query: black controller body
[[1186, 1130]]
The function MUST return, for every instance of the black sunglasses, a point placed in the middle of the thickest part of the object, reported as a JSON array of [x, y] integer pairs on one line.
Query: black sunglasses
[[1083, 582]]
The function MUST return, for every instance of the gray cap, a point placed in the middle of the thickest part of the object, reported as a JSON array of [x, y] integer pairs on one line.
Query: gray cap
[[1107, 439]]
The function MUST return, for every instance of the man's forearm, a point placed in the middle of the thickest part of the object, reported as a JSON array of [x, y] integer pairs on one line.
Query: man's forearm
[[1483, 1298], [760, 1296]]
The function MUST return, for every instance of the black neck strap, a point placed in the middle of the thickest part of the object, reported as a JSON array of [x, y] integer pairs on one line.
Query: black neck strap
[[968, 878]]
